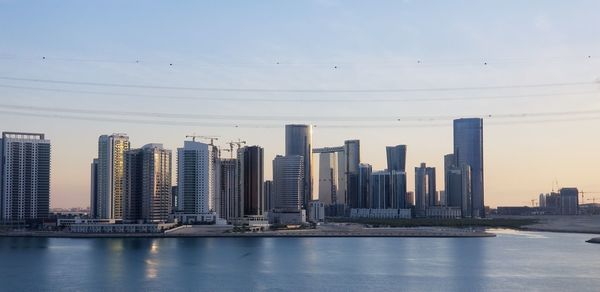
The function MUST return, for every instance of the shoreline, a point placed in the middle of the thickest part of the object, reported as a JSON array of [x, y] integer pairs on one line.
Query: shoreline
[[199, 232]]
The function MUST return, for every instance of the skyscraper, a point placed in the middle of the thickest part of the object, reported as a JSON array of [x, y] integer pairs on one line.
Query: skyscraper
[[364, 198], [468, 149], [396, 163], [569, 201], [288, 182], [197, 181], [109, 176], [351, 164], [269, 197], [398, 189], [328, 178], [24, 176], [396, 158], [448, 164], [298, 141], [228, 204], [424, 187], [147, 184], [380, 192], [250, 180], [431, 187]]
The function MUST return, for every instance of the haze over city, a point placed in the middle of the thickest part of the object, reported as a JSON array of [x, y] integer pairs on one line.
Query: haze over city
[[389, 74]]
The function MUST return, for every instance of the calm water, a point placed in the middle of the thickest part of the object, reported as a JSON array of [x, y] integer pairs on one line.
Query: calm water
[[515, 261]]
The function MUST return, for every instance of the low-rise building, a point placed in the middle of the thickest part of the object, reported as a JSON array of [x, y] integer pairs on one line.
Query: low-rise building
[[443, 212], [381, 213], [286, 217], [316, 211]]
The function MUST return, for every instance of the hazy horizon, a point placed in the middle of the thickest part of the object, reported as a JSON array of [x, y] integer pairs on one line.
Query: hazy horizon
[[157, 71]]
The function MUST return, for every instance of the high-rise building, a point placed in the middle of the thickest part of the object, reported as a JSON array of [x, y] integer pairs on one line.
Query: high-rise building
[[328, 178], [364, 198], [380, 192], [398, 189], [468, 149], [94, 188], [459, 192], [147, 184], [448, 164], [228, 202], [396, 158], [298, 141], [269, 197], [542, 200], [424, 187], [250, 180], [569, 201], [351, 165], [197, 179], [288, 182], [410, 199], [24, 176], [432, 195], [109, 177]]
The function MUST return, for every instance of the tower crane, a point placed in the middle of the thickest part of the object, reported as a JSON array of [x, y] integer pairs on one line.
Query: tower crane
[[239, 144], [211, 138]]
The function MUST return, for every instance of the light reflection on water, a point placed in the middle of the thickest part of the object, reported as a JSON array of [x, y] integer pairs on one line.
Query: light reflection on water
[[514, 261]]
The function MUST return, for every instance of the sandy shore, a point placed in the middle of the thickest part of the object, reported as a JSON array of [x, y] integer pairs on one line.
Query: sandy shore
[[326, 230], [572, 224]]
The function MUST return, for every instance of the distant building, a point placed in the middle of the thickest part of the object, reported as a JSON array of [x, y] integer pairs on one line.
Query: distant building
[[147, 184], [422, 187], [298, 141], [396, 158], [364, 198], [380, 192], [288, 182], [397, 194], [569, 201], [24, 176], [381, 213], [109, 171], [542, 201], [269, 197], [351, 163], [227, 200], [431, 187], [250, 180], [468, 149], [197, 171], [410, 199], [443, 212], [328, 178], [316, 211]]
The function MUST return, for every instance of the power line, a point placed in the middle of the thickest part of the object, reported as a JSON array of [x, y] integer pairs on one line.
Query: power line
[[266, 90], [318, 100], [274, 125], [378, 118]]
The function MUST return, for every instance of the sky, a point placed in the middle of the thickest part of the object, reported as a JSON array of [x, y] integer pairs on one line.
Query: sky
[[161, 70]]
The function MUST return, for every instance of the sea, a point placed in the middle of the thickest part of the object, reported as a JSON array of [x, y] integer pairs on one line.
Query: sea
[[512, 261]]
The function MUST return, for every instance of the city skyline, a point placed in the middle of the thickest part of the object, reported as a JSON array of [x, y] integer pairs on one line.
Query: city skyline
[[352, 69]]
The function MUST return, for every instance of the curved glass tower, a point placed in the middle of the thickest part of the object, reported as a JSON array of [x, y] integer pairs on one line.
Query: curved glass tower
[[468, 149]]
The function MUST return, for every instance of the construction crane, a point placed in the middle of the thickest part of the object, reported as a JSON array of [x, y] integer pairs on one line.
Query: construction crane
[[583, 195], [239, 144], [211, 138]]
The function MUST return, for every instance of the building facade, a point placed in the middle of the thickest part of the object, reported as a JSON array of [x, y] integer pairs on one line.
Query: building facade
[[250, 181], [468, 149], [147, 185], [288, 182], [197, 179], [109, 177], [24, 176], [298, 141]]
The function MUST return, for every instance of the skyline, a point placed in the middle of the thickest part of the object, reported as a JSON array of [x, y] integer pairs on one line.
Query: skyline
[[314, 45]]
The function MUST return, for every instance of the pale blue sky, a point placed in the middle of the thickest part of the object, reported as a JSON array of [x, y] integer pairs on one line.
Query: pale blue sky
[[373, 44]]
